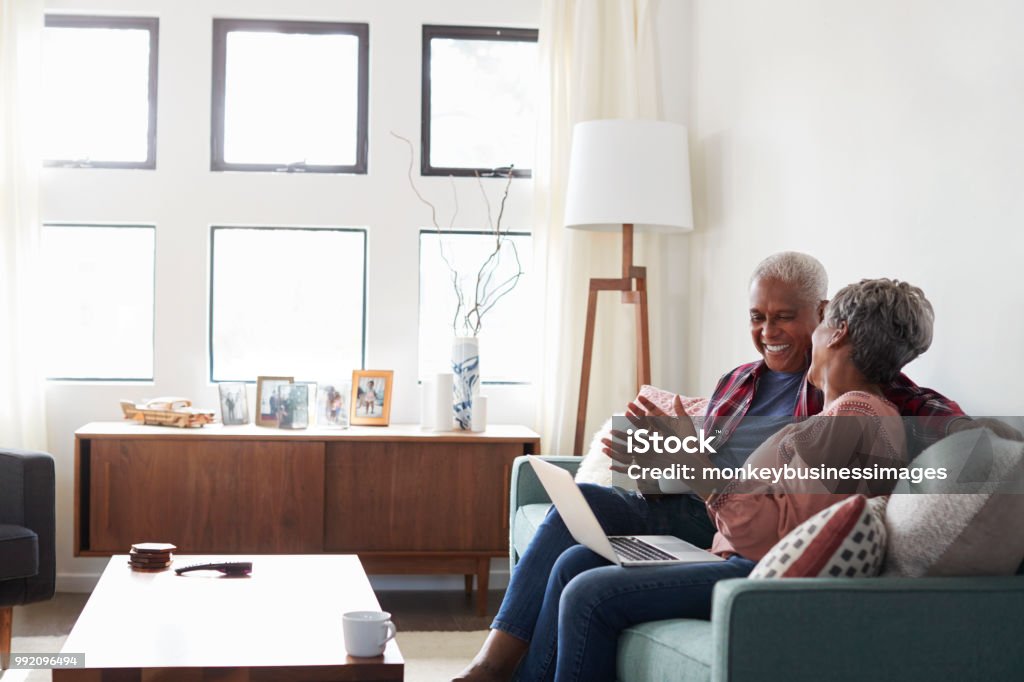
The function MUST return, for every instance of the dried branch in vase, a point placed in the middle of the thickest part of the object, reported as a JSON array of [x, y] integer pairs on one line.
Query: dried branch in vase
[[489, 287]]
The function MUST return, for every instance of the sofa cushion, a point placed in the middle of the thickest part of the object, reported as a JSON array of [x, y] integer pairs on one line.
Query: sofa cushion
[[846, 540], [679, 649], [964, 524], [19, 552], [528, 518]]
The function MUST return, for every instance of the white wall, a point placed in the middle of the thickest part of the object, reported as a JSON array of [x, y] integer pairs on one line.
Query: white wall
[[670, 332], [883, 137]]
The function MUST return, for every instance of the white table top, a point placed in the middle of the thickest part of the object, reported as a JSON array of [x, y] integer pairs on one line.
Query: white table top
[[287, 613]]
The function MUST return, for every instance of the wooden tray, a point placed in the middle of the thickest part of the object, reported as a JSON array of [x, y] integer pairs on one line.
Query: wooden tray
[[183, 417]]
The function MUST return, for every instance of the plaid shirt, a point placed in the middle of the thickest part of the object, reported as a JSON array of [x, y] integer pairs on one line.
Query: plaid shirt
[[735, 391]]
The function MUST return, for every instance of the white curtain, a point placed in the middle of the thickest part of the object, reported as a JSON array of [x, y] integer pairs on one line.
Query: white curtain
[[22, 398], [597, 61]]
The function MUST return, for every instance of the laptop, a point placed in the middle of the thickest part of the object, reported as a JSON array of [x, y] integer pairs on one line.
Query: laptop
[[622, 550]]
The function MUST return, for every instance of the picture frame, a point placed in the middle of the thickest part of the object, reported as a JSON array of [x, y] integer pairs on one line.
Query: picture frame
[[311, 406], [371, 397], [293, 405], [234, 403], [332, 404], [267, 399]]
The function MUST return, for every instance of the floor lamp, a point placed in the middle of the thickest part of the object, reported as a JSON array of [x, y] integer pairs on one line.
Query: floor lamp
[[626, 175]]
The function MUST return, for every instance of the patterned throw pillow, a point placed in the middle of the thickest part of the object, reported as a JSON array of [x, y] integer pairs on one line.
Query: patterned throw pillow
[[847, 540]]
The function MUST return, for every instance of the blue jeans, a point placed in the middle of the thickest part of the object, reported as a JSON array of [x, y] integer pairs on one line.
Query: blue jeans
[[553, 564]]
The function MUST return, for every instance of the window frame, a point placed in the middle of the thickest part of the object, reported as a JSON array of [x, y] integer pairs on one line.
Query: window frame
[[209, 317], [221, 27], [151, 24], [431, 31], [419, 292], [152, 332]]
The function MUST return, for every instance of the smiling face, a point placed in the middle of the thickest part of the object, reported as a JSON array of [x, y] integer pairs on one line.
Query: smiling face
[[781, 324]]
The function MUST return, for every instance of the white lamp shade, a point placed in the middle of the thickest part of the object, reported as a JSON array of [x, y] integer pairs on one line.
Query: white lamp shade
[[629, 171]]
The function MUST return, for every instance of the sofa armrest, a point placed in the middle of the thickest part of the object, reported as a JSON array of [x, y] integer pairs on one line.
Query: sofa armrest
[[27, 499], [526, 489], [856, 629]]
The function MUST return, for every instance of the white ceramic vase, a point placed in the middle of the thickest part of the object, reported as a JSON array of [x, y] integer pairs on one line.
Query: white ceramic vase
[[466, 376]]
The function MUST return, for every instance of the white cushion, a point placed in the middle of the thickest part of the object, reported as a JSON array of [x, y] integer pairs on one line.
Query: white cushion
[[968, 524]]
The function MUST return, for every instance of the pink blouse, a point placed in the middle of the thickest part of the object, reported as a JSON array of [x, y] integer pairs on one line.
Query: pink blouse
[[753, 514]]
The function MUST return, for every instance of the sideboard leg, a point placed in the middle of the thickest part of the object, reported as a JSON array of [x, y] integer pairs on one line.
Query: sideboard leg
[[483, 576]]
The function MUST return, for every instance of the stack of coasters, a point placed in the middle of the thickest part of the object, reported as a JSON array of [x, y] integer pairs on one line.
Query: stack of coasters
[[150, 556]]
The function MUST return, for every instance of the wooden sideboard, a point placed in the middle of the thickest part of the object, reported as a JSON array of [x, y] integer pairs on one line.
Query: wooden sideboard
[[405, 500]]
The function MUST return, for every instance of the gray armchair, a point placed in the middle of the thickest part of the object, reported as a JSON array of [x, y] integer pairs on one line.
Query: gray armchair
[[28, 562]]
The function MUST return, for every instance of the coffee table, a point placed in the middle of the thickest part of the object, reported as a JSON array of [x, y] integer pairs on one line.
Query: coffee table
[[283, 623]]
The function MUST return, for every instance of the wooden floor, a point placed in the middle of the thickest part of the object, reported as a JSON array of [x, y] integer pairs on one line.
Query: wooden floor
[[411, 611], [445, 611]]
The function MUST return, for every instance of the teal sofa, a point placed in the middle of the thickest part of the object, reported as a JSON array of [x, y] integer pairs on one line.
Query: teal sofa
[[816, 628]]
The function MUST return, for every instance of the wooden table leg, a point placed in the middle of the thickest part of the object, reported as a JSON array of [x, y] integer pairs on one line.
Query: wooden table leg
[[6, 624], [469, 583], [483, 576]]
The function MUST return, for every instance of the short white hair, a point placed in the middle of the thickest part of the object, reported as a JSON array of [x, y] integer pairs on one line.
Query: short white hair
[[793, 267]]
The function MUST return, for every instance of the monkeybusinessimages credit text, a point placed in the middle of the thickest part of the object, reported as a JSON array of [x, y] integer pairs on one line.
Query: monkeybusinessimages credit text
[[645, 442]]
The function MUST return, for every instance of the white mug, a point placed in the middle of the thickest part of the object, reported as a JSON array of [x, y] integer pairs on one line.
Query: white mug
[[367, 632]]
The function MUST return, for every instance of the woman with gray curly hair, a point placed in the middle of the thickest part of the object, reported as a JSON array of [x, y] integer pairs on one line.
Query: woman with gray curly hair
[[889, 323]]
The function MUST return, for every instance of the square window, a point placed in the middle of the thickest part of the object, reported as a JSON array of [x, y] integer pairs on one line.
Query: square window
[[289, 96], [286, 302], [98, 293], [508, 349], [479, 92], [99, 91]]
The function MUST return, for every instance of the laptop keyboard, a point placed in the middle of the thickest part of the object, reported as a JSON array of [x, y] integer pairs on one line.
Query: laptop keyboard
[[637, 550]]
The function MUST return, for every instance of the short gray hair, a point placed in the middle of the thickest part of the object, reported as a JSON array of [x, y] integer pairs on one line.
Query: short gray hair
[[793, 267], [889, 323]]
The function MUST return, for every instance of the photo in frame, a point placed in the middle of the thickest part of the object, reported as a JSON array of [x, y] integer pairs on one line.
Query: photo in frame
[[293, 405], [267, 400], [332, 401], [234, 403], [311, 405], [371, 397]]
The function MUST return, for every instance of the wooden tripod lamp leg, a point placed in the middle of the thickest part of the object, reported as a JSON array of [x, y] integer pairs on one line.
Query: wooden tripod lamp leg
[[643, 337], [588, 355], [630, 295]]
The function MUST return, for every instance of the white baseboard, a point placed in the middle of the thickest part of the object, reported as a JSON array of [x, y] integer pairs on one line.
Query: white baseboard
[[77, 582], [86, 582]]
